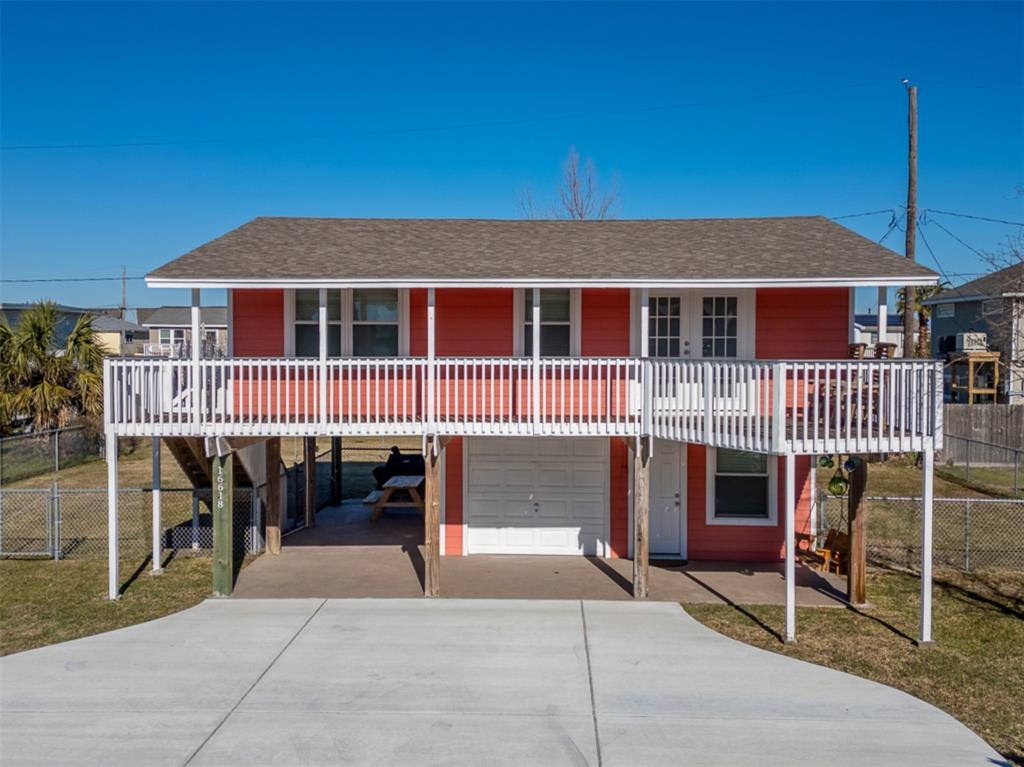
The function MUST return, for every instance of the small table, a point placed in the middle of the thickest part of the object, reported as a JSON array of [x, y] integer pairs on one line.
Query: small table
[[410, 484]]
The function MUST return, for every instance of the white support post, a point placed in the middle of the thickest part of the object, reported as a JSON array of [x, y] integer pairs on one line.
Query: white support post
[[113, 539], [645, 350], [431, 354], [197, 347], [322, 369], [927, 500], [883, 315], [535, 327], [790, 511], [157, 527]]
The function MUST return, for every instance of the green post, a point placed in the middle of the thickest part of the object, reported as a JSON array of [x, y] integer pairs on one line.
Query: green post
[[223, 525]]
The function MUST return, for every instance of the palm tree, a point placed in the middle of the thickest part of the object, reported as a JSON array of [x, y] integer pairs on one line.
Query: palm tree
[[924, 314], [42, 379]]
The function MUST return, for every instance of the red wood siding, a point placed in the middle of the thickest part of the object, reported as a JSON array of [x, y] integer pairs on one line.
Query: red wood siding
[[257, 322], [604, 320], [469, 322], [618, 493], [453, 498], [802, 323], [740, 542], [418, 322]]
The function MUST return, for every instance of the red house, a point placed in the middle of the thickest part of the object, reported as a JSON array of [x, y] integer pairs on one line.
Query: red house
[[610, 388]]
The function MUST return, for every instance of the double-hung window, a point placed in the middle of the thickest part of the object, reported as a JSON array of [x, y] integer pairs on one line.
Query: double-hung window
[[307, 323], [741, 487], [555, 323], [374, 323]]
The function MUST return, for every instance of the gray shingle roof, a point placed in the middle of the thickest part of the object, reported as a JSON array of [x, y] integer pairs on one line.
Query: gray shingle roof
[[456, 250], [1008, 280], [181, 316]]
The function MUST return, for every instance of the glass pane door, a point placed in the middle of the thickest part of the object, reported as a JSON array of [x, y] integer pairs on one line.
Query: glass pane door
[[666, 328]]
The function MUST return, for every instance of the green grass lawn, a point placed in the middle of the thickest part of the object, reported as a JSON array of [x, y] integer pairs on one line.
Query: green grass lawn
[[975, 671], [42, 601]]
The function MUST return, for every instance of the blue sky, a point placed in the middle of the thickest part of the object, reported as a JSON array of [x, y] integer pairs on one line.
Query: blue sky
[[728, 109]]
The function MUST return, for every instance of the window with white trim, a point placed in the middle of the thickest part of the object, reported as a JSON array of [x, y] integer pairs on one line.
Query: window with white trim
[[375, 322], [555, 323], [719, 326], [741, 487], [664, 326], [945, 311], [307, 323]]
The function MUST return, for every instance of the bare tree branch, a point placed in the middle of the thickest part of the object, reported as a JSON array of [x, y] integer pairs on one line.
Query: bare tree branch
[[579, 196]]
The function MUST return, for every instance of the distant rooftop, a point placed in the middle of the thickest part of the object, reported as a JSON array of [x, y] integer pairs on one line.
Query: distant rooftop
[[181, 316], [1008, 281]]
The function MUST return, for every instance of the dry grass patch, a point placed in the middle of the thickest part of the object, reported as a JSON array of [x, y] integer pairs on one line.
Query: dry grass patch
[[975, 671]]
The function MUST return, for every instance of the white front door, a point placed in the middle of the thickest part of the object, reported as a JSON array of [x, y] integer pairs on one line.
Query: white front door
[[668, 505], [536, 495]]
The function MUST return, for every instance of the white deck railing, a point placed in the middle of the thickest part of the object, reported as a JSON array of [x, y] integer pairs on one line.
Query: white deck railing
[[804, 407]]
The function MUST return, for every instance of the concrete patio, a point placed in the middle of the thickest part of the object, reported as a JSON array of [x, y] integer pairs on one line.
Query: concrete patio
[[347, 555], [451, 682]]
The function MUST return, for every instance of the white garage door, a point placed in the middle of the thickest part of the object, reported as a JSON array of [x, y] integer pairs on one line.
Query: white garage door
[[536, 495]]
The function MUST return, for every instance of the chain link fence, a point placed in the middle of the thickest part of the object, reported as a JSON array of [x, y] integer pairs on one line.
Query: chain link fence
[[71, 523], [969, 533], [29, 455], [984, 466]]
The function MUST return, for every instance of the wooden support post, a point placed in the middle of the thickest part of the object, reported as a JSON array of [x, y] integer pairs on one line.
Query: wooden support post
[[222, 470], [641, 517], [272, 501], [856, 591], [335, 471], [309, 467], [432, 521]]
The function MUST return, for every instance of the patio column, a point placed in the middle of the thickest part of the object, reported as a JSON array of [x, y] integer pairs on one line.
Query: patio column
[[157, 528], [641, 516], [322, 367], [335, 470], [196, 355], [113, 541], [222, 471], [790, 512], [432, 518], [431, 354], [883, 315], [927, 501], [309, 467], [535, 340], [272, 502]]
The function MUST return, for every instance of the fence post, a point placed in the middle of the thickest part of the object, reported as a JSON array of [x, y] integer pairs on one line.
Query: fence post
[[56, 449], [1016, 472], [967, 535], [195, 520], [55, 506], [967, 471]]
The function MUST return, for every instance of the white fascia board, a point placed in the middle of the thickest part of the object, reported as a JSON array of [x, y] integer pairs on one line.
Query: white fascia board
[[827, 282]]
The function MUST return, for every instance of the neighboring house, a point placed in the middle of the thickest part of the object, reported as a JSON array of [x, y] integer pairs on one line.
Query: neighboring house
[[119, 337], [992, 305], [115, 335], [865, 331], [651, 388], [170, 330]]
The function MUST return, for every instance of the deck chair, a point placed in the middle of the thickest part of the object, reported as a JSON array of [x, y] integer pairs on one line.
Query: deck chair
[[835, 552]]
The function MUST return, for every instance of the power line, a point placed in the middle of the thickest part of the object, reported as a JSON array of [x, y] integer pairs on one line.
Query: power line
[[1004, 89], [976, 218], [890, 211], [74, 280], [973, 250], [447, 127]]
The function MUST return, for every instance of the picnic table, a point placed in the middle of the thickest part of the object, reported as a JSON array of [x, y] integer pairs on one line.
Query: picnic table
[[407, 486]]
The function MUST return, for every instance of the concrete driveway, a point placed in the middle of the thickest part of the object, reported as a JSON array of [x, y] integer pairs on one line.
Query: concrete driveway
[[451, 682]]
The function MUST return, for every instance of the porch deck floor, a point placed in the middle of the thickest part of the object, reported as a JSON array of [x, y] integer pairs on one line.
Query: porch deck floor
[[347, 555]]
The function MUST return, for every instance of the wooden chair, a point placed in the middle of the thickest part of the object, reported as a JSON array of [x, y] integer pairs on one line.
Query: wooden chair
[[835, 552], [885, 351], [857, 351]]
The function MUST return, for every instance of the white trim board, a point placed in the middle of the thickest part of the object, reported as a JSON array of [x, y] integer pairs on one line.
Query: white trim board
[[521, 282], [711, 460]]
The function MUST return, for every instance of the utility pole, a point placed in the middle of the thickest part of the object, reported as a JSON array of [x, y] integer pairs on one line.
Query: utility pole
[[124, 291], [909, 292]]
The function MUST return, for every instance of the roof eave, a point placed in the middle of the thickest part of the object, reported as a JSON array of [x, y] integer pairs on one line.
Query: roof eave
[[153, 281]]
